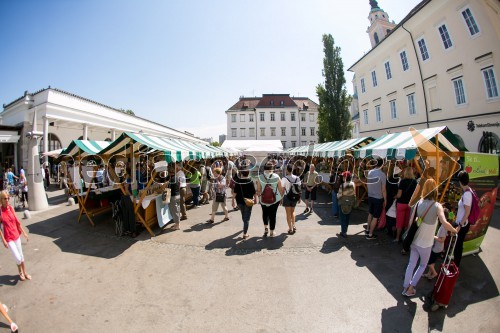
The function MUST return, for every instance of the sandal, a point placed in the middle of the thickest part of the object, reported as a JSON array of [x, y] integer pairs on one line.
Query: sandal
[[265, 232], [225, 219], [14, 327], [407, 294], [210, 221], [290, 232], [27, 276], [21, 277]]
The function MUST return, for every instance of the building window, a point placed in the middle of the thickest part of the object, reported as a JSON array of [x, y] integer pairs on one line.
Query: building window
[[251, 132], [294, 144], [365, 116], [271, 103], [54, 143], [312, 131], [363, 89], [262, 131], [242, 132], [375, 37], [233, 118], [283, 143], [294, 131], [272, 116], [378, 116], [458, 87], [311, 117], [283, 131], [302, 117], [250, 118], [404, 60], [273, 131], [445, 36], [374, 78], [411, 105], [282, 103], [470, 21], [394, 112], [282, 115], [292, 116], [490, 82], [303, 131], [262, 116], [242, 118], [303, 143], [424, 53], [233, 132], [388, 73]]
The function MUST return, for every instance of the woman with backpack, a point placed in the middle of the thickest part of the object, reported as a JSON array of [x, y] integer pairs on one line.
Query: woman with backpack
[[463, 214], [346, 198], [292, 188], [244, 190], [270, 191]]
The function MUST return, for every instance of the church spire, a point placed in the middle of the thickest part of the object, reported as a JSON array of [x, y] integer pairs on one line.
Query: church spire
[[380, 26]]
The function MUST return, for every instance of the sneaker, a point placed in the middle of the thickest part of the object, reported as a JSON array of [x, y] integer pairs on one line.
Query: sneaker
[[341, 234], [14, 327], [371, 237]]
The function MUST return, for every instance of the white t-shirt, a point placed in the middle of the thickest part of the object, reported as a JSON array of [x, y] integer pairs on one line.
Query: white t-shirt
[[288, 180], [181, 178], [438, 247], [465, 200]]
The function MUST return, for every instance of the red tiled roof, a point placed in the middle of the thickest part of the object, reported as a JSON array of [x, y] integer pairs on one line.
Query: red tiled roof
[[276, 100], [245, 103]]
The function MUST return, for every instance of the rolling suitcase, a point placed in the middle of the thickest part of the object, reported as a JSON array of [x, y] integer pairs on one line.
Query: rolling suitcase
[[448, 275]]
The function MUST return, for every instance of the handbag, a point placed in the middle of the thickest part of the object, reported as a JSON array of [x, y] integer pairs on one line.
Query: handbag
[[391, 212], [248, 202], [220, 197], [409, 235]]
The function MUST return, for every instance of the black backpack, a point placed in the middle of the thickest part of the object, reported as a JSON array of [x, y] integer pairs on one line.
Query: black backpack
[[294, 193]]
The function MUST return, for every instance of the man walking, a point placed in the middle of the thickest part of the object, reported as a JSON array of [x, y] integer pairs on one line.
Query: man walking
[[311, 181], [377, 197]]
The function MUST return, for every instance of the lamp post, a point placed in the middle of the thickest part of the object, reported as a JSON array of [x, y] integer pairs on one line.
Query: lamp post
[[37, 198]]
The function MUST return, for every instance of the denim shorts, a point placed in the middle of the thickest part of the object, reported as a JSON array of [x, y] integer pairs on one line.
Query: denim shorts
[[375, 207]]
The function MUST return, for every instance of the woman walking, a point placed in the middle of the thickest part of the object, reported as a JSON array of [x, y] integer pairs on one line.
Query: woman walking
[[11, 235], [287, 182], [23, 184], [346, 190], [463, 212], [270, 192], [244, 189], [406, 188], [219, 185], [430, 212]]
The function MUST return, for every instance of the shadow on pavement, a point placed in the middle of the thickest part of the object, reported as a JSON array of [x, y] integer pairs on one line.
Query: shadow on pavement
[[235, 245], [81, 238], [9, 280]]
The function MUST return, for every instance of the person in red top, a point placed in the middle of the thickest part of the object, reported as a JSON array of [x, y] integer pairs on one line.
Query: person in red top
[[11, 235]]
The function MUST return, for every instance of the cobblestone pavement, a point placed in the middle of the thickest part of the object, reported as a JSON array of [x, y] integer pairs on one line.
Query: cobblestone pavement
[[206, 278]]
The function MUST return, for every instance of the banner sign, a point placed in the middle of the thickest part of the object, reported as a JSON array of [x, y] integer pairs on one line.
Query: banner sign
[[483, 179]]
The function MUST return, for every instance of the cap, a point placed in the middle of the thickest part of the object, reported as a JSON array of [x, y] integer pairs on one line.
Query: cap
[[346, 174]]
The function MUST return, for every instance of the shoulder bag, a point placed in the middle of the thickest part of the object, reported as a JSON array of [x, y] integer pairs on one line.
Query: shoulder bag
[[412, 230]]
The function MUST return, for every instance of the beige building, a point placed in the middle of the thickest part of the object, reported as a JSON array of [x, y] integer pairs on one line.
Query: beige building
[[438, 66], [292, 120], [63, 117]]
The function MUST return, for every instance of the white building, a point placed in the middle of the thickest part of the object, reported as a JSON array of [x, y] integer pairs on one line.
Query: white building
[[63, 117], [438, 66], [292, 120]]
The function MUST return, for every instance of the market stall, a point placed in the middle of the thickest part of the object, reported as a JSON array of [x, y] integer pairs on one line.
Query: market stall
[[158, 152], [438, 148], [81, 178]]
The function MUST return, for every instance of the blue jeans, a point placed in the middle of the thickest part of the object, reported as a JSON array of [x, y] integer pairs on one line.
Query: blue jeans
[[344, 221], [335, 204], [196, 195], [246, 212]]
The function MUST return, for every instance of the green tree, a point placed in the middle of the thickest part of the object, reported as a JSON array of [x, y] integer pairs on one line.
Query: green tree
[[334, 119], [130, 112], [215, 144]]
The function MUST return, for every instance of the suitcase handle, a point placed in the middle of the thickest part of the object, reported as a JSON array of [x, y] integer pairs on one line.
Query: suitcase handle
[[445, 268]]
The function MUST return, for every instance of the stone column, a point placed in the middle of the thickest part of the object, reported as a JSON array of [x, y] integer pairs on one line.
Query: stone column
[[45, 139], [113, 134], [85, 131]]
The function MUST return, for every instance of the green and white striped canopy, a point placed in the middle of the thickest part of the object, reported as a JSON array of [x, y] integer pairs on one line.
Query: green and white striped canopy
[[83, 148], [175, 150], [339, 148], [406, 144]]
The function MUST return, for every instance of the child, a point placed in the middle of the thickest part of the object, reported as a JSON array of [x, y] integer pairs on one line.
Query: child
[[437, 248]]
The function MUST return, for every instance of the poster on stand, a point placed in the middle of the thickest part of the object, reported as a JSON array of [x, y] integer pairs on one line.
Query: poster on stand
[[483, 179]]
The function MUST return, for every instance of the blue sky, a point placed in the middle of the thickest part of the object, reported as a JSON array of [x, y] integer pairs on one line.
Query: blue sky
[[181, 63]]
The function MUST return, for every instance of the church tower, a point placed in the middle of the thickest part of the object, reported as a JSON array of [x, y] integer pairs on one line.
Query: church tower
[[379, 24]]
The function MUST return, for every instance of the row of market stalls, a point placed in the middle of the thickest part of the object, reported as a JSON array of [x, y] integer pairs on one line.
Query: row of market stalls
[[82, 160], [436, 148]]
